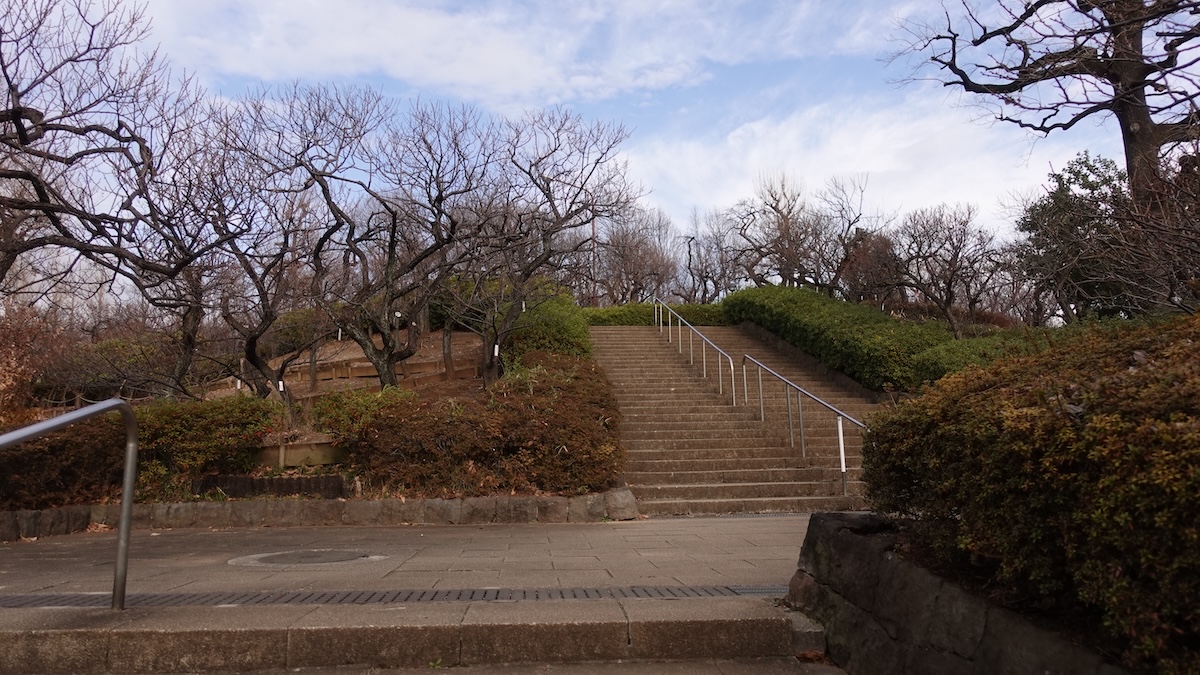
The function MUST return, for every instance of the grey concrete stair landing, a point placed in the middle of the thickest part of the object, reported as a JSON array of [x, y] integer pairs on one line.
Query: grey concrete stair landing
[[692, 451]]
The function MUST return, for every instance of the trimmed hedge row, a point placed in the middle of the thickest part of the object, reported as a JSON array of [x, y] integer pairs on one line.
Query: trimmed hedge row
[[1073, 475], [858, 340], [879, 351], [642, 314]]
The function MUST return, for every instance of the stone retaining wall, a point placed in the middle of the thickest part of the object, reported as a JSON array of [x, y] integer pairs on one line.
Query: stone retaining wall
[[883, 614], [618, 504]]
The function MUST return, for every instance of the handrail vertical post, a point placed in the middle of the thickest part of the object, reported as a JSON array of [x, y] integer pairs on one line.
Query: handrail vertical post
[[762, 411], [733, 383], [721, 384], [125, 524], [691, 348], [787, 394], [745, 387], [800, 414], [704, 360], [842, 452]]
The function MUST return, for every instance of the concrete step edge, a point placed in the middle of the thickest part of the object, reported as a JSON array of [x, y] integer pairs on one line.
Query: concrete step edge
[[193, 639]]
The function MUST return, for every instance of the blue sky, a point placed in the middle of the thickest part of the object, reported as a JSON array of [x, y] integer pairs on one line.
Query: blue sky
[[715, 93]]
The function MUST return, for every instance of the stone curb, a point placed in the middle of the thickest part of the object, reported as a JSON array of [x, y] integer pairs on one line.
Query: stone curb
[[174, 639], [616, 504], [882, 613]]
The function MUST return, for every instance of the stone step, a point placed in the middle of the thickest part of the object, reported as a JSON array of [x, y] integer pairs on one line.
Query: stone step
[[653, 452], [698, 507], [825, 488], [688, 452], [677, 441], [764, 475], [430, 635], [727, 464]]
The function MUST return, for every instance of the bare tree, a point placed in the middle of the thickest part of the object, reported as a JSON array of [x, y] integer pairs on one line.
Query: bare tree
[[396, 195], [798, 240], [634, 262], [561, 175], [871, 270], [946, 260], [84, 138], [1051, 64], [713, 263]]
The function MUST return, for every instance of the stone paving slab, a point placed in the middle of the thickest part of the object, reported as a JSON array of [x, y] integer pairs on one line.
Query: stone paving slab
[[672, 553], [686, 551]]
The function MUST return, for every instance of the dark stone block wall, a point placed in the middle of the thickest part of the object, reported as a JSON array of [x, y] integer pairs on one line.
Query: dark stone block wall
[[883, 614]]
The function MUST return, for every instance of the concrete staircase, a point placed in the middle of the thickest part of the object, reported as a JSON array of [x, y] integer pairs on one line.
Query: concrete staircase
[[691, 451]]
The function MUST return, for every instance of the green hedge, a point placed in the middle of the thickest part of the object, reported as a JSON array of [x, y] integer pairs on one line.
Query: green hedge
[[880, 351], [1072, 474], [642, 314], [555, 325], [860, 341]]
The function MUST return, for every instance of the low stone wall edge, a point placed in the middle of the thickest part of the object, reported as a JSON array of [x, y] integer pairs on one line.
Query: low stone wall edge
[[615, 504]]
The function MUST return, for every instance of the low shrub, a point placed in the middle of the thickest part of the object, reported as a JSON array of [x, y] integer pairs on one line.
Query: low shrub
[[346, 415], [77, 465], [1072, 474], [642, 314], [557, 325], [194, 438], [547, 426], [177, 442], [952, 356]]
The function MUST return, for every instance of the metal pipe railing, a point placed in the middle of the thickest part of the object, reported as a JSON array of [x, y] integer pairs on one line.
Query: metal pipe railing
[[788, 388], [131, 451], [664, 318]]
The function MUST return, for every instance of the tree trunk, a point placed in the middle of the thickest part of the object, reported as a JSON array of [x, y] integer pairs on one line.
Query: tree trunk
[[448, 349]]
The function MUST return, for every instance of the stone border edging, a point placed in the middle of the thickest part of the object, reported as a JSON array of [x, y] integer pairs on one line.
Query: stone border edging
[[883, 613], [616, 504]]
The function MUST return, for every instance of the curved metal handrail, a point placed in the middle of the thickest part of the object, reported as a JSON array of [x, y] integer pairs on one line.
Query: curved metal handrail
[[660, 316], [789, 385], [131, 451]]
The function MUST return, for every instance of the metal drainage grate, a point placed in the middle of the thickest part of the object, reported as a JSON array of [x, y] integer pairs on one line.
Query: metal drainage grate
[[228, 599]]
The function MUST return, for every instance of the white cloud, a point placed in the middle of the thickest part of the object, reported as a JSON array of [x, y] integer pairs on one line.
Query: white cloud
[[505, 53], [916, 151]]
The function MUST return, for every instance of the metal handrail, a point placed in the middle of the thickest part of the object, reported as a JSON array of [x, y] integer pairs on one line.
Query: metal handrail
[[131, 451], [788, 386], [660, 317]]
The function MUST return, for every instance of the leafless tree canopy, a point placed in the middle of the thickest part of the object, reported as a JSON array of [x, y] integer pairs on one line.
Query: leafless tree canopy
[[87, 138], [1047, 65]]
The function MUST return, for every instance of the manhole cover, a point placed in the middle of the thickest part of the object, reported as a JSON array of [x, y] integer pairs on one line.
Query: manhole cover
[[310, 557], [306, 557]]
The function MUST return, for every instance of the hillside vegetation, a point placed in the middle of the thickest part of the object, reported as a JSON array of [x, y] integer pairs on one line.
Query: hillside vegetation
[[880, 351], [549, 425], [1072, 476]]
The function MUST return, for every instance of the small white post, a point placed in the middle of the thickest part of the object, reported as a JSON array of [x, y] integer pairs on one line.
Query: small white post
[[842, 452]]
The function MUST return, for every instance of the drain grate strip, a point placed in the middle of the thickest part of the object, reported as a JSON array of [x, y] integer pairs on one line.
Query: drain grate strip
[[44, 600]]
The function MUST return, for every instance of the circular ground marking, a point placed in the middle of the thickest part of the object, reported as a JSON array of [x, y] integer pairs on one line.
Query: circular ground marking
[[314, 557]]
